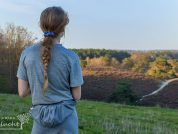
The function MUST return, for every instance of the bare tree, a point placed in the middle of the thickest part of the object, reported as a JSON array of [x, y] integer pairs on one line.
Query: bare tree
[[13, 39]]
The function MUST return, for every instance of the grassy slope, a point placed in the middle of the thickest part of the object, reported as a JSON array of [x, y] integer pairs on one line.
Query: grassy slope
[[99, 117]]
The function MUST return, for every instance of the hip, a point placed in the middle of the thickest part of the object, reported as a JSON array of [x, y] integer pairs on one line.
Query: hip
[[68, 126], [51, 115]]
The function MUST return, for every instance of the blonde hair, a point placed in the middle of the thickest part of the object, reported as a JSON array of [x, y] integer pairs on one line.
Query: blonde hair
[[52, 19]]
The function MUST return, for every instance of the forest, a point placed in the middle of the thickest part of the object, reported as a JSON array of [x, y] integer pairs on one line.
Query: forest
[[157, 63]]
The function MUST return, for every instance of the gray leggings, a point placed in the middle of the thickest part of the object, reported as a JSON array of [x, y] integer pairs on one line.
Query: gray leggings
[[68, 126]]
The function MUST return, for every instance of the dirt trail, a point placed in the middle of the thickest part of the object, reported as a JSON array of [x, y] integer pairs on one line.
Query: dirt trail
[[163, 85]]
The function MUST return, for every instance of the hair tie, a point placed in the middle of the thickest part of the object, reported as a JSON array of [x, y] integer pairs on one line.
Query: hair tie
[[49, 34]]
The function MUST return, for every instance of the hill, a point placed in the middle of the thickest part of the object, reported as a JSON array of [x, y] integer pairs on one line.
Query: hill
[[100, 83], [102, 118], [168, 97]]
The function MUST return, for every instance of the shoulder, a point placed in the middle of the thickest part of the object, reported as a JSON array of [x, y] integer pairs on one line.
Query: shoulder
[[30, 48], [71, 54], [24, 52]]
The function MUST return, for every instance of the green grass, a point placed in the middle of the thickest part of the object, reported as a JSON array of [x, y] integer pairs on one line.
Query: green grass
[[102, 118]]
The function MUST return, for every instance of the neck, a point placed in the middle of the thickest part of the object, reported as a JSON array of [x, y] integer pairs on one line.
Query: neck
[[56, 41]]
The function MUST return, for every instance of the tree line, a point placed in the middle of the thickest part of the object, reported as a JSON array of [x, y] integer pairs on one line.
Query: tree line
[[13, 39], [157, 63]]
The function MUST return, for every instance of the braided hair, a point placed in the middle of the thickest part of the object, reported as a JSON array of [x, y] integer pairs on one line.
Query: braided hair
[[52, 22]]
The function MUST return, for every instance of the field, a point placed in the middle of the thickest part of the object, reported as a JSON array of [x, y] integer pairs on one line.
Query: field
[[102, 118], [100, 83]]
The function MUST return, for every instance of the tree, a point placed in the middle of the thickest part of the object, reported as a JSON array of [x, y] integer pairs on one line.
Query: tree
[[127, 63], [23, 118], [141, 62], [13, 39], [160, 68], [123, 93], [114, 62]]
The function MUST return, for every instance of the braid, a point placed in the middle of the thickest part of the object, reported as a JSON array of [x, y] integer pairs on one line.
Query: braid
[[52, 22], [46, 56]]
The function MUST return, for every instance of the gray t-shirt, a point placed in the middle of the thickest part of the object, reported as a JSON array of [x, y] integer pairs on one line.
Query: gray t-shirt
[[64, 71]]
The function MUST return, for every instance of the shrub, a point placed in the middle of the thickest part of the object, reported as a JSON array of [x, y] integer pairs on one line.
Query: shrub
[[123, 93]]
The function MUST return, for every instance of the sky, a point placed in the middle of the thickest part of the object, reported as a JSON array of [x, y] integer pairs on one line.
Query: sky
[[109, 24]]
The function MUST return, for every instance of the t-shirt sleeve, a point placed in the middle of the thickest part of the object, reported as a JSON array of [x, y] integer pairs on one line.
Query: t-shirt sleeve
[[21, 71], [76, 78]]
